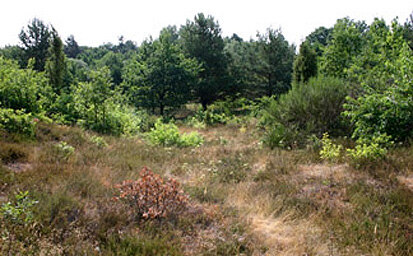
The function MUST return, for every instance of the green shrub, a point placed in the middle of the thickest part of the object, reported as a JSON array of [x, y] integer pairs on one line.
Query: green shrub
[[164, 134], [370, 150], [168, 135], [16, 121], [98, 141], [195, 122], [19, 211], [278, 135], [308, 108], [22, 88], [329, 151], [18, 229], [64, 150], [191, 139]]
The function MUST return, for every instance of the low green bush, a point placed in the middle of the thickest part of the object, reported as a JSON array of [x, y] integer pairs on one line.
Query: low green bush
[[17, 121], [330, 151], [20, 210], [64, 150], [370, 150], [168, 135], [98, 141], [280, 136]]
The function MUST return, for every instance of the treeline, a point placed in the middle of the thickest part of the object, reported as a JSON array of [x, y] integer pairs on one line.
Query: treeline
[[192, 64], [350, 79]]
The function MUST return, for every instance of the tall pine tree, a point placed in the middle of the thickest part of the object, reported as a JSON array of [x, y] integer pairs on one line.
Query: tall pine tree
[[55, 64], [202, 40]]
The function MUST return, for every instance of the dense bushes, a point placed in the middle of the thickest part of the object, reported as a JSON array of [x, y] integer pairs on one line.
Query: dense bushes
[[386, 109], [22, 88], [308, 108], [16, 121]]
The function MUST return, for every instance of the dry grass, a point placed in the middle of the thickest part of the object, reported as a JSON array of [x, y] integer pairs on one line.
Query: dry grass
[[245, 199]]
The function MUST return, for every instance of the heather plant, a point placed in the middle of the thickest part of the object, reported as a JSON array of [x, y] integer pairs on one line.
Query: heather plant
[[152, 197]]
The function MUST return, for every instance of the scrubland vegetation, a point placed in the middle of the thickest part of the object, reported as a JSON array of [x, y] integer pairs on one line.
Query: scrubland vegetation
[[195, 144]]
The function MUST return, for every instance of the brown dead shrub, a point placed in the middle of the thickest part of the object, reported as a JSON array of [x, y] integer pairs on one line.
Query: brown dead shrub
[[153, 197]]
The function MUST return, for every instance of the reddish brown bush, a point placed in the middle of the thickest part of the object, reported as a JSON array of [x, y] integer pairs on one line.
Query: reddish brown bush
[[153, 197]]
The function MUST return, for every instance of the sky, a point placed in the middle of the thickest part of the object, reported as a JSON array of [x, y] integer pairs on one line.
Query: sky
[[94, 22]]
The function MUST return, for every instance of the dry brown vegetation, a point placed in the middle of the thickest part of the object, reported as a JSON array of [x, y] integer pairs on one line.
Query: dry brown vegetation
[[244, 199]]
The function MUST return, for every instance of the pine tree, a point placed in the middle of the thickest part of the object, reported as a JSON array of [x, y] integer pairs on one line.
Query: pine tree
[[202, 40], [71, 49], [305, 65], [55, 64], [35, 40]]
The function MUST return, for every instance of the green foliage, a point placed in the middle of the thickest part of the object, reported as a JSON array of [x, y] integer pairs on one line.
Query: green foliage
[[19, 211], [345, 44], [101, 109], [162, 77], [22, 88], [211, 117], [15, 53], [312, 107], [242, 79], [55, 63], [305, 65], [202, 40], [274, 63], [277, 135], [114, 61], [319, 39], [329, 151], [385, 105], [192, 139], [168, 135], [35, 40], [100, 142], [164, 134], [370, 150], [17, 121], [64, 150], [228, 111], [71, 49]]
